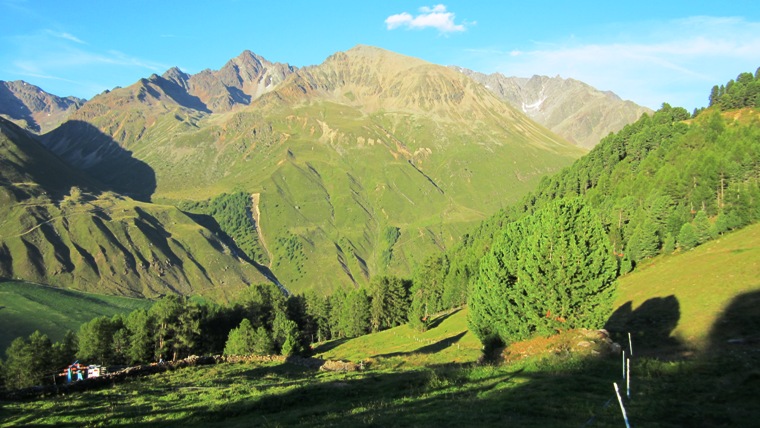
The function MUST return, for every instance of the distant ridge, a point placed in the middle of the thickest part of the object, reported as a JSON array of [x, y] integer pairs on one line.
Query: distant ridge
[[575, 110], [33, 109]]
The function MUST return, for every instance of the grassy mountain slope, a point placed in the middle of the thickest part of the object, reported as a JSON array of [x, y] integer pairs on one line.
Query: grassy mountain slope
[[337, 153], [448, 341], [688, 291], [58, 227], [28, 307]]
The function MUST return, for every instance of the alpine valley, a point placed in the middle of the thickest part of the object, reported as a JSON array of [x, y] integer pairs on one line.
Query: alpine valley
[[315, 178], [377, 240]]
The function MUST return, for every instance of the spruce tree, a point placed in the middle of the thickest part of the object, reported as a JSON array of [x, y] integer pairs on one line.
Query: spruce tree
[[262, 342]]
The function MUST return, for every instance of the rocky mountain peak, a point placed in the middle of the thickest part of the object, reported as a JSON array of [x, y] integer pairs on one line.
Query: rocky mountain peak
[[240, 81], [177, 76]]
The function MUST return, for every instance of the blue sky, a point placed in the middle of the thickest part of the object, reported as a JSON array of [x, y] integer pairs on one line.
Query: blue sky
[[648, 52]]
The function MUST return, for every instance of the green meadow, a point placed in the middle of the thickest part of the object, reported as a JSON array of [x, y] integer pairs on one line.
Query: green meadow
[[26, 307]]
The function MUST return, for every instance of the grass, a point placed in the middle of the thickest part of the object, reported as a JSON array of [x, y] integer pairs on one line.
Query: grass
[[553, 390], [448, 342], [27, 307], [539, 393], [694, 289]]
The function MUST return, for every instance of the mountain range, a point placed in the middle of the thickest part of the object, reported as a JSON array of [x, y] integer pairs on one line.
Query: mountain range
[[362, 165]]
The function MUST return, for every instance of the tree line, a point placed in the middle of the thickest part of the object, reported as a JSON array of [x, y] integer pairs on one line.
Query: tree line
[[262, 320], [739, 93]]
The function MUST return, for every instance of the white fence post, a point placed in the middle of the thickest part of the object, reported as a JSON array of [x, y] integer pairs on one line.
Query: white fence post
[[623, 364], [622, 409], [628, 379]]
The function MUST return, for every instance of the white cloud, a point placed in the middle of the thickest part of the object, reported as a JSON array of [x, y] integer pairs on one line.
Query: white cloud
[[429, 17], [674, 61], [71, 37], [65, 36]]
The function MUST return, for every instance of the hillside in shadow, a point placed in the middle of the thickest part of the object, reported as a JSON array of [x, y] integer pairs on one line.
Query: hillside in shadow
[[85, 147]]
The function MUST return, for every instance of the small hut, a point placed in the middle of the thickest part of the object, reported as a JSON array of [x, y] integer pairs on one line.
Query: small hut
[[95, 371]]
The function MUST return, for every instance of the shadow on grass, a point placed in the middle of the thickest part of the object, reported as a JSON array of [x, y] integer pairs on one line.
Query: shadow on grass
[[429, 349], [329, 346], [738, 325], [650, 325], [436, 322], [115, 167], [450, 395]]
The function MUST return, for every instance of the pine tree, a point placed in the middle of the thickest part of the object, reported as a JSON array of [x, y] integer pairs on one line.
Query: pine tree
[[390, 302], [336, 302], [166, 313], [241, 340], [318, 317], [261, 302], [19, 365], [285, 335], [549, 271], [354, 316], [29, 361], [141, 328], [703, 229], [95, 339], [65, 351], [187, 330], [687, 238], [669, 244], [120, 346]]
